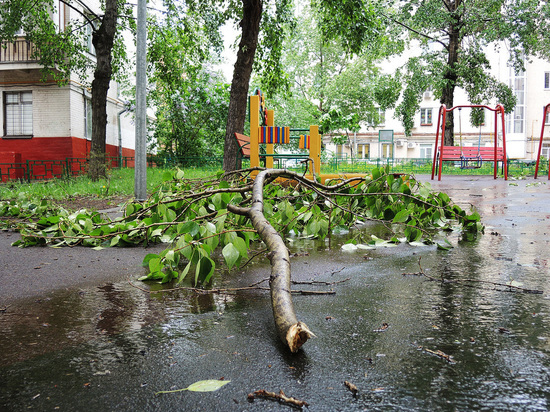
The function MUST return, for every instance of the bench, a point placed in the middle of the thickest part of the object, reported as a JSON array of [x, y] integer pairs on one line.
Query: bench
[[470, 157], [244, 151], [244, 145], [457, 153]]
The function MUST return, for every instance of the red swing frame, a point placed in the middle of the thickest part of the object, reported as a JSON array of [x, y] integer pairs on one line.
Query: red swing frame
[[545, 111], [448, 153]]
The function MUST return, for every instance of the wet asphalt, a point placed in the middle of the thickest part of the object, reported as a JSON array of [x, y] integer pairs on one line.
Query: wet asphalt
[[105, 345]]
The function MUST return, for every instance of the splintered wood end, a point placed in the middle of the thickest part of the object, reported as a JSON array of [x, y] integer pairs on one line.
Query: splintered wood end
[[297, 335]]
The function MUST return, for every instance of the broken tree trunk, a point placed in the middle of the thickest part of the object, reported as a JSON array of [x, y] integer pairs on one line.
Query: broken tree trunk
[[291, 331]]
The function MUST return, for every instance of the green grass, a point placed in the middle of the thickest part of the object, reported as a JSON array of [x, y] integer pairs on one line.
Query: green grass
[[120, 182], [421, 166]]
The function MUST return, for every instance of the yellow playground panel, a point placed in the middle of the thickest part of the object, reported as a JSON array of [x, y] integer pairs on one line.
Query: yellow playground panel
[[271, 135], [264, 131]]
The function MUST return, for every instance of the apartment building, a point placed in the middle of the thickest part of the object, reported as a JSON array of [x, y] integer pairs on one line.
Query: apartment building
[[43, 121], [522, 127]]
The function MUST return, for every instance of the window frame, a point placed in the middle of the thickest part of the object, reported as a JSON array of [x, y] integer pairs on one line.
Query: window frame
[[426, 116], [546, 80], [381, 118], [23, 126], [87, 118], [427, 148]]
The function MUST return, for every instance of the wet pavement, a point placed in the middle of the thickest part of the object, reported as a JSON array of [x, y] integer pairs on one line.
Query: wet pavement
[[77, 335]]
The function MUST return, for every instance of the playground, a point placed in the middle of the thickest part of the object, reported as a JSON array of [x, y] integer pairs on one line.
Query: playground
[[261, 147]]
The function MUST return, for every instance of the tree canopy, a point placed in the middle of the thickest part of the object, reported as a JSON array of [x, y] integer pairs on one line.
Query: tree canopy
[[454, 37]]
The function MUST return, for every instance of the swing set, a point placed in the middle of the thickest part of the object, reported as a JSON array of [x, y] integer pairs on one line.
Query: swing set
[[469, 157], [546, 112]]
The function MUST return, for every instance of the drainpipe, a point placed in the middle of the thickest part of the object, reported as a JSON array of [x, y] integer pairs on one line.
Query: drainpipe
[[126, 109]]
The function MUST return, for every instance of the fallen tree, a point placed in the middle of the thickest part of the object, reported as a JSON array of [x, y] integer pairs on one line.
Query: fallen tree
[[232, 212], [291, 331]]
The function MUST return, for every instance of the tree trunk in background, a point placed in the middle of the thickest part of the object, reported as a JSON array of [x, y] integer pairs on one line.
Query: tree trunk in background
[[102, 39], [450, 77], [238, 100]]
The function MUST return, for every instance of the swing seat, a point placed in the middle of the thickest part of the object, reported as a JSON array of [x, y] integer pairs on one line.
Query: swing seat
[[474, 162]]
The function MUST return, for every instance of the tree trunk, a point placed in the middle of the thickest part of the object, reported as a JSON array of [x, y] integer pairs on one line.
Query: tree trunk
[[103, 40], [250, 24], [292, 332], [450, 77]]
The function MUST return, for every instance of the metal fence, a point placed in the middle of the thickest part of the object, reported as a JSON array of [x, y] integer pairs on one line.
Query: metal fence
[[72, 166]]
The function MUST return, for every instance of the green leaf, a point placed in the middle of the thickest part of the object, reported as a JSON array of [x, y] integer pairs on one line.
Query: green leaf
[[401, 216], [184, 272], [205, 269], [240, 244], [190, 227], [441, 247], [167, 176], [148, 258], [115, 240], [231, 255], [155, 265], [179, 174]]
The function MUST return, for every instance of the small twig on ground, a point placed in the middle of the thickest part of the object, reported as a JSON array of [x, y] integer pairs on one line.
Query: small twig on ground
[[439, 354], [337, 271], [254, 286], [317, 282], [281, 397]]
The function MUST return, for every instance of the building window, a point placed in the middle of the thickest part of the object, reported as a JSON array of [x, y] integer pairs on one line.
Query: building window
[[88, 118], [18, 114], [387, 150], [516, 119], [547, 118], [378, 118], [426, 151], [545, 152], [547, 80], [425, 117], [363, 151], [89, 36]]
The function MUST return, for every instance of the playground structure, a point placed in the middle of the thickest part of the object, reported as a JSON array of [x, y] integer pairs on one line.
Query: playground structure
[[545, 113], [264, 131], [470, 157]]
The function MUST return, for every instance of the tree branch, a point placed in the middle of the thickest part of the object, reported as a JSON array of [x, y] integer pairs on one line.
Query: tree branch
[[415, 31]]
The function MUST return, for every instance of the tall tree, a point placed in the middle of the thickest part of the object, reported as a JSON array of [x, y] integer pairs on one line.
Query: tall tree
[[454, 36], [250, 26], [63, 50], [263, 27], [329, 86], [189, 98], [103, 39]]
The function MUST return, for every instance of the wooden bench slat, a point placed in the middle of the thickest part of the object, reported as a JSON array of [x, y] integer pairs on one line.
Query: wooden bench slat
[[486, 153], [244, 144]]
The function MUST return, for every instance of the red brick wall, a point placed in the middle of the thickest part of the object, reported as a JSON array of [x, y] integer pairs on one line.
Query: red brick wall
[[48, 148]]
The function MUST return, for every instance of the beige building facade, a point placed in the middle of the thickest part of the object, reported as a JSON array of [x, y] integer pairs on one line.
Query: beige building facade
[[522, 127]]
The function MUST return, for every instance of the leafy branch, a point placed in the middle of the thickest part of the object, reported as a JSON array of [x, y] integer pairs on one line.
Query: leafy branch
[[192, 218]]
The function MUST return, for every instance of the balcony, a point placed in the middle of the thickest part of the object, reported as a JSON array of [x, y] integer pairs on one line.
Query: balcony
[[18, 51]]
